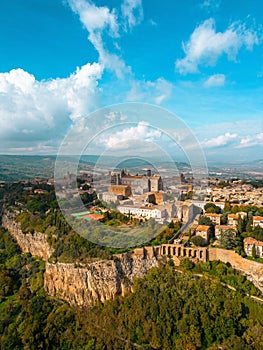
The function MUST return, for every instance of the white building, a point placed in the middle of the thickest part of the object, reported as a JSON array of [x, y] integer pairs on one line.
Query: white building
[[147, 212]]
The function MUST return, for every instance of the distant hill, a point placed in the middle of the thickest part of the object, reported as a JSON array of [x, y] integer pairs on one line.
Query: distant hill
[[21, 167]]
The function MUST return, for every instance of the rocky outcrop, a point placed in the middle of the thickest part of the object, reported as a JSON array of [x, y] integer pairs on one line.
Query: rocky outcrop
[[251, 269], [102, 280], [34, 243], [99, 281]]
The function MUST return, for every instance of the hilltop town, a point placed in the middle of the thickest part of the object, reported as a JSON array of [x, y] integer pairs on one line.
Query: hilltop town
[[206, 234]]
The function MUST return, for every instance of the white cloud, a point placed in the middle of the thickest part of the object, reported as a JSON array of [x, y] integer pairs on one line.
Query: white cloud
[[251, 140], [215, 80], [206, 45], [220, 141], [94, 18], [210, 5], [132, 12], [152, 91], [33, 111], [123, 139], [97, 21]]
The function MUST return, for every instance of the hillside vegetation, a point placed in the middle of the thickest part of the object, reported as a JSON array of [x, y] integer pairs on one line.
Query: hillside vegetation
[[168, 310]]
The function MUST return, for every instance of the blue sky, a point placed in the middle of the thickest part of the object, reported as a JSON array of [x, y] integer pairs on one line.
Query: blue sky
[[201, 60]]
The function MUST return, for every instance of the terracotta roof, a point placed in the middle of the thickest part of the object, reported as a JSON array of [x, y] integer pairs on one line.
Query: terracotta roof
[[258, 218], [202, 228], [250, 240], [132, 177], [213, 214], [233, 216]]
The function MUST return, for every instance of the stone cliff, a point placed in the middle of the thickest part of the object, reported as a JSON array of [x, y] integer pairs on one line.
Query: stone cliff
[[99, 281], [82, 284], [34, 243], [102, 280]]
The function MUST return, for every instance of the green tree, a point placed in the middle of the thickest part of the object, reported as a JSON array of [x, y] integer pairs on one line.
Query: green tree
[[254, 254], [212, 208], [227, 207], [187, 264], [204, 220], [227, 239], [198, 241]]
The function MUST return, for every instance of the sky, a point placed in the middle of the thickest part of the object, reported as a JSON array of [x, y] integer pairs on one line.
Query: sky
[[202, 60]]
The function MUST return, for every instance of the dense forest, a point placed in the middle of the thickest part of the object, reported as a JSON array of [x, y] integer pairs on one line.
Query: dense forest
[[169, 309]]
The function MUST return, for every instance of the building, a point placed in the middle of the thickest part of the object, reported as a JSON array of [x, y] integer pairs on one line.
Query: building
[[158, 197], [232, 220], [120, 190], [109, 197], [147, 212], [221, 229], [249, 242], [215, 218], [242, 214], [258, 221], [139, 183], [203, 231]]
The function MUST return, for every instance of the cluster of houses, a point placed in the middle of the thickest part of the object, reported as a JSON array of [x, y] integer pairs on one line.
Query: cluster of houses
[[249, 243], [232, 222], [236, 192]]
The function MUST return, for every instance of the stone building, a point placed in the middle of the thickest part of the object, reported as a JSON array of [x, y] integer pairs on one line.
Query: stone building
[[215, 218], [258, 221], [232, 220], [249, 242], [139, 183], [203, 231]]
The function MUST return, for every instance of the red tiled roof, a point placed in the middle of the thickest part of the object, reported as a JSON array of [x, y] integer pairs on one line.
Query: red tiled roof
[[250, 240], [213, 215], [202, 228], [233, 216], [132, 177]]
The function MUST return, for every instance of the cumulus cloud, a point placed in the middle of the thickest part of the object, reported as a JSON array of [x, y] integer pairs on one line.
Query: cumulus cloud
[[33, 110], [215, 80], [123, 139], [132, 12], [251, 140], [206, 45], [152, 91], [220, 141]]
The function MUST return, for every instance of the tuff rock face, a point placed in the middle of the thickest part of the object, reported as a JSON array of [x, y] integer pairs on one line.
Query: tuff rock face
[[34, 243], [99, 281], [102, 280]]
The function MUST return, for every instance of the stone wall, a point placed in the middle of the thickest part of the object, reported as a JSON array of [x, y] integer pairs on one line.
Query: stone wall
[[253, 270]]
